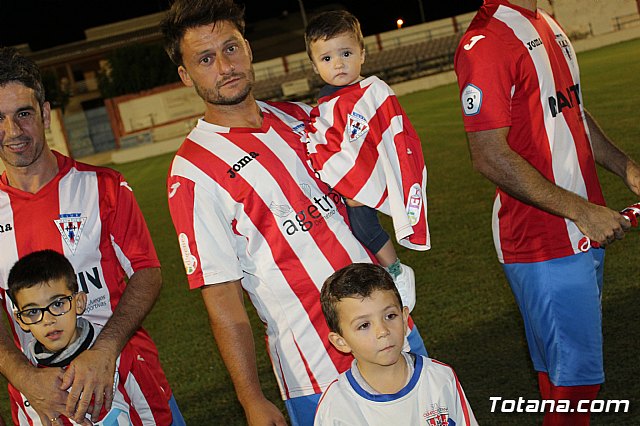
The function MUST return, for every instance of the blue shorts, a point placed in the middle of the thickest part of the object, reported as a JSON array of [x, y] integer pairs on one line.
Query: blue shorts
[[302, 409], [178, 420], [560, 302]]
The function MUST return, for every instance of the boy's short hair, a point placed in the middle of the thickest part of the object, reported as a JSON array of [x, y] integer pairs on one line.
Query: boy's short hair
[[16, 68], [187, 14], [40, 267], [358, 280], [327, 25]]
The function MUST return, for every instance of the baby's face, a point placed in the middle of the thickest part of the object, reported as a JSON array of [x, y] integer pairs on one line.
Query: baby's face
[[338, 60]]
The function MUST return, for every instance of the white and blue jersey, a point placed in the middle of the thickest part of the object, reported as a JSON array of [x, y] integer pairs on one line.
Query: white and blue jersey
[[432, 396]]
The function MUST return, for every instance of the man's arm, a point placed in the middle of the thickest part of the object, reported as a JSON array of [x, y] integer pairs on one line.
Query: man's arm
[[40, 386], [232, 332], [493, 158], [92, 372], [612, 158]]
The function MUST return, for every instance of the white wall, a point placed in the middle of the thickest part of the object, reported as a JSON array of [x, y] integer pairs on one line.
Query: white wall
[[589, 16]]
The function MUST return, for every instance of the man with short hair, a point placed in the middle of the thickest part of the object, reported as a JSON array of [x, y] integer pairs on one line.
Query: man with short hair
[[89, 214], [251, 215]]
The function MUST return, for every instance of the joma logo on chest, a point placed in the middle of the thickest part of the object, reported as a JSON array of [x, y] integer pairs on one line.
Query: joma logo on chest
[[241, 163]]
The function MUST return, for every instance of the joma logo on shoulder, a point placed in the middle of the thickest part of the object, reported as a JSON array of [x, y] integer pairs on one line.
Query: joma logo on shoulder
[[241, 163]]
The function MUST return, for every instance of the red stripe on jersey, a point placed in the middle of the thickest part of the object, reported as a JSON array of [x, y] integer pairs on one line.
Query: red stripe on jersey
[[461, 397], [259, 213], [184, 210], [293, 109], [27, 241]]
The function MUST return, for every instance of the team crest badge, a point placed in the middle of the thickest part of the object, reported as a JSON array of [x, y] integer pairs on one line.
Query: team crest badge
[[70, 226], [356, 126], [565, 46], [437, 416]]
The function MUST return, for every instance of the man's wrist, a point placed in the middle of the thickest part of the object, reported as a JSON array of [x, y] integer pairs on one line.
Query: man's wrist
[[108, 347]]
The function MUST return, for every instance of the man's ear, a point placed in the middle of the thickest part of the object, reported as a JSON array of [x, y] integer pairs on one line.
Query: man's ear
[[22, 326], [81, 302], [184, 76], [249, 49], [46, 115], [405, 318], [339, 342]]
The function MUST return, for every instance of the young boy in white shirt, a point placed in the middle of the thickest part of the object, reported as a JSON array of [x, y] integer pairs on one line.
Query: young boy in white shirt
[[384, 385], [44, 290]]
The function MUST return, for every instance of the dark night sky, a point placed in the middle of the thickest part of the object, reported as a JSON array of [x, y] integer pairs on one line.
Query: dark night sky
[[48, 23]]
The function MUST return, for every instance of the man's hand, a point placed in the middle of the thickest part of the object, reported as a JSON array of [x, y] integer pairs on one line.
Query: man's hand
[[602, 224], [263, 412], [90, 376], [44, 393], [632, 178]]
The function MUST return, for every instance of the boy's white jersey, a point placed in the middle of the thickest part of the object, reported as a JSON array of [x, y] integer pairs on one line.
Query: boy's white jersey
[[433, 397]]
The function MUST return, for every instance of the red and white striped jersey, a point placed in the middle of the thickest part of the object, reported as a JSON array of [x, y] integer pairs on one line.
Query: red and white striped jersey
[[90, 215], [362, 144], [246, 205], [433, 396], [139, 398], [517, 69]]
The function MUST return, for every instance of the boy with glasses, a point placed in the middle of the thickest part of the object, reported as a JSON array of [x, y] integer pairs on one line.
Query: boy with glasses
[[44, 289]]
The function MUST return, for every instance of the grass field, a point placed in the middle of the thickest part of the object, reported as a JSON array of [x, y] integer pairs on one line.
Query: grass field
[[465, 310]]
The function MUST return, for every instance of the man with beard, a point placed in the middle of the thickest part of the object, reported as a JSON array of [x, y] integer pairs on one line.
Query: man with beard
[[251, 215]]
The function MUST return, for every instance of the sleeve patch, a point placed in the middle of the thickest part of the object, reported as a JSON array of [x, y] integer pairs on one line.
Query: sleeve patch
[[471, 100], [189, 260]]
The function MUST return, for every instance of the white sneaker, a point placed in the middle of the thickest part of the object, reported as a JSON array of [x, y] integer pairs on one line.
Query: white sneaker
[[406, 285]]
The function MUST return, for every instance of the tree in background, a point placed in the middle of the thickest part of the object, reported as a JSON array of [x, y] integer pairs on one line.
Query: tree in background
[[134, 68]]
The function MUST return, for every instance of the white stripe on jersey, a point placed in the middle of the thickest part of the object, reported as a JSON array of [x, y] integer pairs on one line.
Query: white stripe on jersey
[[78, 193], [138, 400], [566, 168], [495, 226]]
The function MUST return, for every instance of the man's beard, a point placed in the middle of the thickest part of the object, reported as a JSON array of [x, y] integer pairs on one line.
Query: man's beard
[[215, 97]]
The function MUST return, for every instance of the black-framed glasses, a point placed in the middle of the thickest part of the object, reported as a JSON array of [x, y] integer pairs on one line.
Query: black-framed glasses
[[58, 307]]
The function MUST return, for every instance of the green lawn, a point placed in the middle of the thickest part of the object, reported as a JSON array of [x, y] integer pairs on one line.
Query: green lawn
[[465, 309]]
